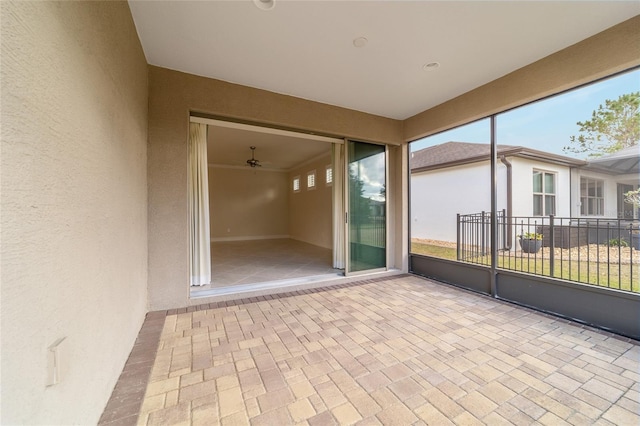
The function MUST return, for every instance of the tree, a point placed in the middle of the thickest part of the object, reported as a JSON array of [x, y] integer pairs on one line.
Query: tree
[[358, 203], [632, 197], [612, 127]]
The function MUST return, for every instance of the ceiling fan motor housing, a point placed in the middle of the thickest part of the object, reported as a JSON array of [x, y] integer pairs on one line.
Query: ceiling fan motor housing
[[252, 161]]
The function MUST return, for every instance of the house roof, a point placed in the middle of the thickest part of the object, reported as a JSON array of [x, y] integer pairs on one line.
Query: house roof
[[452, 153], [625, 161]]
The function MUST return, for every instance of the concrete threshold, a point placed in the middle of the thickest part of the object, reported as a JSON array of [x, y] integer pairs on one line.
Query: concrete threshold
[[245, 291]]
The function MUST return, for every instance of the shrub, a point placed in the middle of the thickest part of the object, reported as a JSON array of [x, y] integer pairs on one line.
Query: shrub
[[531, 236], [618, 242]]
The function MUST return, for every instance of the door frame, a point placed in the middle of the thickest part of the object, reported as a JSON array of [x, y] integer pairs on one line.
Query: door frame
[[347, 235]]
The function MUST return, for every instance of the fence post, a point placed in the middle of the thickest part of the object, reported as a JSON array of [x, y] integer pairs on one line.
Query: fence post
[[458, 236], [551, 245], [504, 229], [483, 238]]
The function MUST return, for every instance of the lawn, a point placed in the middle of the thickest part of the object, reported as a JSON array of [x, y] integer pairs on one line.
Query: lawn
[[612, 275]]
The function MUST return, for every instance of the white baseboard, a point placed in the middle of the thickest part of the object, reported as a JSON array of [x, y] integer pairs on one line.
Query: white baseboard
[[248, 238]]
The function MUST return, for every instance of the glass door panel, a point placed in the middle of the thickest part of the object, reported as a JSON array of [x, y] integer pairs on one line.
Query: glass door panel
[[367, 207]]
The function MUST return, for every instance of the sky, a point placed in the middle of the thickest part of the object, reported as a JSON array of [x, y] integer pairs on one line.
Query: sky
[[371, 173], [545, 125]]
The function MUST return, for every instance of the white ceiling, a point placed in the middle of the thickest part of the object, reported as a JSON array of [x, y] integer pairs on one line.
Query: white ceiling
[[231, 147], [305, 48]]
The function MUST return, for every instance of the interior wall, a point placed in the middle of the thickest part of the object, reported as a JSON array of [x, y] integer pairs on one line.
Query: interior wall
[[74, 205], [248, 204], [172, 96], [311, 212], [613, 50]]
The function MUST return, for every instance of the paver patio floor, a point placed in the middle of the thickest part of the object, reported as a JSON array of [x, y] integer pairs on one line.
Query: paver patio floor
[[396, 351]]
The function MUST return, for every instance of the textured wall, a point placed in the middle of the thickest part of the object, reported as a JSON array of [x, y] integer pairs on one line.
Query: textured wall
[[171, 96], [601, 55], [248, 203], [74, 204], [311, 211]]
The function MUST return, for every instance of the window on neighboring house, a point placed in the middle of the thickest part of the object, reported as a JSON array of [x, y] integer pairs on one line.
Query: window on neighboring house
[[296, 184], [328, 175], [311, 179], [591, 197], [544, 193]]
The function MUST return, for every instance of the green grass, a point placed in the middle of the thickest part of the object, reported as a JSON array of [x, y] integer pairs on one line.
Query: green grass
[[606, 275]]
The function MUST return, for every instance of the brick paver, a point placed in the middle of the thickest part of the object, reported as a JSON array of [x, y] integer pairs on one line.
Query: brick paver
[[400, 351]]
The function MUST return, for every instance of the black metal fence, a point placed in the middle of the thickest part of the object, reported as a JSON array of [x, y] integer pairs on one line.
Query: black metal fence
[[604, 252], [369, 230], [474, 237]]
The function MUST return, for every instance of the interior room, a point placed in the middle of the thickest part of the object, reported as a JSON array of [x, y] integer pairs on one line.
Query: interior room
[[270, 204]]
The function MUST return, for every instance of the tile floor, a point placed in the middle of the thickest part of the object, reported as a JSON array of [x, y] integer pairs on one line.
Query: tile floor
[[395, 351], [248, 262]]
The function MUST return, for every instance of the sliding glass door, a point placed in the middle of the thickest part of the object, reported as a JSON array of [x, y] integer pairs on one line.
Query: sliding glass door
[[366, 187]]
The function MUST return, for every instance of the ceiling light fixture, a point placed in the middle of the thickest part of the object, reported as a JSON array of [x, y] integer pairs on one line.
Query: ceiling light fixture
[[265, 4], [360, 41], [431, 66], [253, 162]]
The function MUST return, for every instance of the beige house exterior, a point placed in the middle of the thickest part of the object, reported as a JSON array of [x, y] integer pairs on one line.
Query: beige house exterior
[[94, 202]]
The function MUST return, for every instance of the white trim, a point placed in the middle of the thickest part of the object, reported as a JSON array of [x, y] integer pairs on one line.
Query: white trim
[[249, 238], [339, 211], [269, 130]]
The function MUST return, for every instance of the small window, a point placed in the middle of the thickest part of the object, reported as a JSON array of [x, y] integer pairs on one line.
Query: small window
[[311, 179], [328, 175], [296, 184], [591, 197], [544, 193]]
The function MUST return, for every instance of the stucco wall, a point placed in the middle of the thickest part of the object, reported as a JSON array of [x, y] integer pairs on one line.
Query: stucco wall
[[248, 203], [172, 95], [437, 196], [74, 205], [310, 211]]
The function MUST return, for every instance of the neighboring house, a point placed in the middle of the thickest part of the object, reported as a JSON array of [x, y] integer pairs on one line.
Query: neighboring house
[[454, 178], [603, 183]]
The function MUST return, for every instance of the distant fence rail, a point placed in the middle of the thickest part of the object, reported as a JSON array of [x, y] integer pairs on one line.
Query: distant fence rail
[[604, 252]]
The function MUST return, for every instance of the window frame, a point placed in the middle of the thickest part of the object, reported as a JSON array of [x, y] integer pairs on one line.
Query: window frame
[[584, 199], [296, 180], [328, 175], [311, 180], [543, 194]]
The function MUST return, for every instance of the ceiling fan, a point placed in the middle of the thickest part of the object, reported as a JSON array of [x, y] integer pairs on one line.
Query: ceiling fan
[[253, 162]]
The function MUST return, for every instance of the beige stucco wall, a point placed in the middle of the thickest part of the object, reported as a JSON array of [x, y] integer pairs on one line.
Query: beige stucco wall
[[73, 206], [172, 95], [613, 50], [310, 211], [248, 203]]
